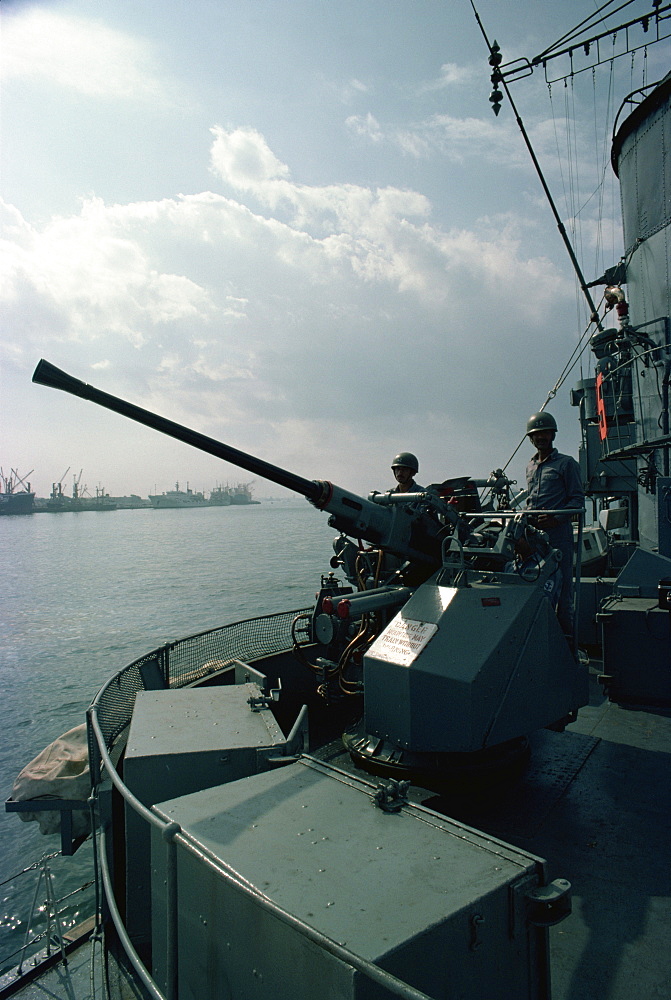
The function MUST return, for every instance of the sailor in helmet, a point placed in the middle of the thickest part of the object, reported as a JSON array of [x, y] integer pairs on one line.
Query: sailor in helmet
[[405, 467], [554, 483]]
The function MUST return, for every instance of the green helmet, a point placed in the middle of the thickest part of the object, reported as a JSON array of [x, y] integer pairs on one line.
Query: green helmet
[[406, 459], [541, 422]]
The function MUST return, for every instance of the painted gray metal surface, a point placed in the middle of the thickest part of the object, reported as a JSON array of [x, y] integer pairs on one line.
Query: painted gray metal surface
[[434, 902], [181, 741], [644, 169], [663, 491], [636, 646], [592, 592], [641, 575], [592, 802], [497, 667]]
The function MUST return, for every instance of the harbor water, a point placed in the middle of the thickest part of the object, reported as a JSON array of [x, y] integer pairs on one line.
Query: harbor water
[[84, 594]]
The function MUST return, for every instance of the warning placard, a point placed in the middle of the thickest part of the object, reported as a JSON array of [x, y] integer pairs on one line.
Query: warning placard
[[403, 640]]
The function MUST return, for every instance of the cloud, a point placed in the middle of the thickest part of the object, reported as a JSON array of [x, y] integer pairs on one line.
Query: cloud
[[350, 91], [242, 159], [106, 271], [451, 75], [582, 180], [93, 275], [82, 55], [453, 138], [323, 310]]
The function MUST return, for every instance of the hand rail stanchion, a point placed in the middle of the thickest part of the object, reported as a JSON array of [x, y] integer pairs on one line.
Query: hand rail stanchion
[[172, 954], [576, 592]]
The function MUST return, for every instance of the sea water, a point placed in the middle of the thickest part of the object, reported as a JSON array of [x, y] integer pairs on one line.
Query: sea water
[[83, 594]]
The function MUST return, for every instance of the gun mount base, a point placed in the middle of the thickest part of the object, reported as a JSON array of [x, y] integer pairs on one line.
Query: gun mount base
[[461, 774]]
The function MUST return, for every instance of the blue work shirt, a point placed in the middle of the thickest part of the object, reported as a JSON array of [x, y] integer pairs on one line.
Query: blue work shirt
[[554, 483]]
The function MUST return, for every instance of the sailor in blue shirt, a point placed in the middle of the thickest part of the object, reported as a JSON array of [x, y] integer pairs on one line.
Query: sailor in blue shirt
[[553, 483]]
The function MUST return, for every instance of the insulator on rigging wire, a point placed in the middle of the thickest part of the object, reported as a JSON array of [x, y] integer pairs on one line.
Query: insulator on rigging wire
[[613, 294], [495, 58]]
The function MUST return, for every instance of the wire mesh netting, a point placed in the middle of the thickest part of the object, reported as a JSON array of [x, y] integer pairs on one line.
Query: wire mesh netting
[[183, 662]]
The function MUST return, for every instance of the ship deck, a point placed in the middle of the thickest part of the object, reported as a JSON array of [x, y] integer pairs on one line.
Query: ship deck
[[609, 833], [595, 803]]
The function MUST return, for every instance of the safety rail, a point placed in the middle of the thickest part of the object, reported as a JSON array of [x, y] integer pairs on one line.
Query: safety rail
[[59, 932], [66, 808], [576, 514], [180, 663], [619, 395], [108, 720]]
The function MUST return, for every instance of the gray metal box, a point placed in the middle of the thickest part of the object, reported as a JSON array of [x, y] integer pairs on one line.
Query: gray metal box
[[180, 741], [294, 885], [636, 651], [185, 739]]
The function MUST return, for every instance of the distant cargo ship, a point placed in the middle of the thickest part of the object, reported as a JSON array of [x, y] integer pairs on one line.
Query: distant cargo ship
[[81, 500], [178, 498], [16, 496], [220, 496], [242, 494], [101, 501]]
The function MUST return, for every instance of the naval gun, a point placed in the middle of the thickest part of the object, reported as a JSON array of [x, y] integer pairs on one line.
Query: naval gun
[[411, 531], [445, 627]]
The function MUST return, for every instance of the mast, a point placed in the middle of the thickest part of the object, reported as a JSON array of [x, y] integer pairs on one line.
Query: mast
[[497, 78]]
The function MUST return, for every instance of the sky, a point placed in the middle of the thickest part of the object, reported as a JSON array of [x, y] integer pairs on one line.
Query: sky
[[298, 228]]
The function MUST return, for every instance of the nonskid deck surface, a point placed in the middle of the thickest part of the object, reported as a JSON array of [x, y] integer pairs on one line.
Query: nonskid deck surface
[[78, 980], [610, 834], [60, 982], [595, 803]]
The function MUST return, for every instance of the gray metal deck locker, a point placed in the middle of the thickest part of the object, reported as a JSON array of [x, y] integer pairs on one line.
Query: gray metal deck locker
[[318, 892]]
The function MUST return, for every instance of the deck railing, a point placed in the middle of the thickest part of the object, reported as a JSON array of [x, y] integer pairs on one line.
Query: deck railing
[[178, 664], [174, 665]]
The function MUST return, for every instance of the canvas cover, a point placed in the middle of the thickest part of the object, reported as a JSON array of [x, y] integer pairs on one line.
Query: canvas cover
[[60, 771]]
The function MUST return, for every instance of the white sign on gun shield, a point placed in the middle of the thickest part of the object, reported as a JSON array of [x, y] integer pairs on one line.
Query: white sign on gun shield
[[403, 640]]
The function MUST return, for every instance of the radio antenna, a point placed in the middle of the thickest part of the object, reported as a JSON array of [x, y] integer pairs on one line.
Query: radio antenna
[[496, 98]]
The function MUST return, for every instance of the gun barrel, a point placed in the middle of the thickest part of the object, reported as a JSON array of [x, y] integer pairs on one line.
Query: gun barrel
[[47, 374]]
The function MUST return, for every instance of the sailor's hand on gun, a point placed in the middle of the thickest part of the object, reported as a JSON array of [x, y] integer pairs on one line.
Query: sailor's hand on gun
[[545, 521]]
